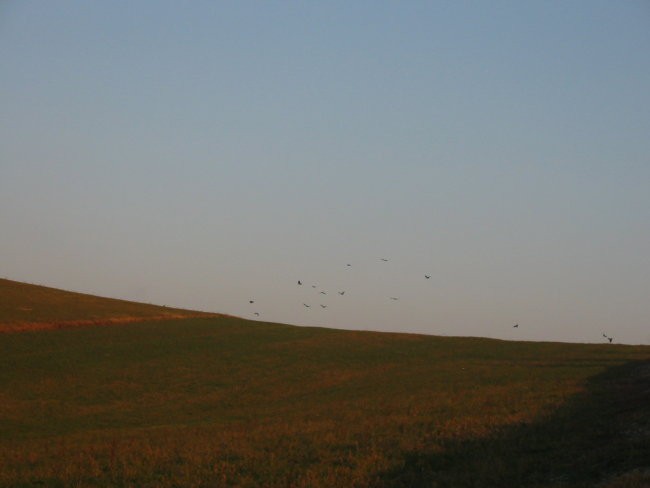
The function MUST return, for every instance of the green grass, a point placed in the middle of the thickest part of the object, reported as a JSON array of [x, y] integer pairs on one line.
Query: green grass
[[227, 402]]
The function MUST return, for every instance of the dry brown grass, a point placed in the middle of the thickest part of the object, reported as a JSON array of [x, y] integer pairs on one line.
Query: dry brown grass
[[14, 327]]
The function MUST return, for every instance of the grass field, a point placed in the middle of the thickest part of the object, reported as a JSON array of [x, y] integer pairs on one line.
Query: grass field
[[222, 401], [30, 307]]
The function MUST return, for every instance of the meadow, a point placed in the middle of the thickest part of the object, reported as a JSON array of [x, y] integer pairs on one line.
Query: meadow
[[24, 306], [222, 401]]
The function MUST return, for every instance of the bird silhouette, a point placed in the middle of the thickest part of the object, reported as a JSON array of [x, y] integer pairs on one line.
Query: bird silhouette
[[515, 326], [313, 286], [324, 306], [257, 313], [251, 301], [306, 305], [427, 276], [299, 282], [394, 298], [384, 260], [342, 293], [323, 293], [610, 339], [348, 265], [605, 335]]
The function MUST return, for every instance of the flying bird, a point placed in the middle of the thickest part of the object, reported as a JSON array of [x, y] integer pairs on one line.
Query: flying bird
[[427, 276], [251, 301], [515, 326], [313, 286], [610, 339], [323, 293], [306, 305], [342, 293], [324, 306], [348, 265], [257, 313], [299, 282], [394, 298], [384, 260]]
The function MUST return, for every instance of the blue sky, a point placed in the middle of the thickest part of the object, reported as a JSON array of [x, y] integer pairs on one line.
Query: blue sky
[[202, 154]]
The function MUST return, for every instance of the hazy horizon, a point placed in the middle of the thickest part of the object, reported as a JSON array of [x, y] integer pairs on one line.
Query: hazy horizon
[[211, 154]]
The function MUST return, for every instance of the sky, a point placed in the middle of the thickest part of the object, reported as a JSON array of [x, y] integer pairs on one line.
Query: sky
[[205, 154]]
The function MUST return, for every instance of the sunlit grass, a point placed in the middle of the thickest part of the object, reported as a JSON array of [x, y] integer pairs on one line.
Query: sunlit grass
[[30, 307], [227, 402]]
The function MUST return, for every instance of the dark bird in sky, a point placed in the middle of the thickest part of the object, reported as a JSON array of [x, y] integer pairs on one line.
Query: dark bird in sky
[[515, 326], [348, 265], [342, 292], [610, 339], [257, 313], [394, 298], [313, 286], [306, 305], [427, 276], [251, 301], [324, 306], [384, 259], [299, 282], [323, 293]]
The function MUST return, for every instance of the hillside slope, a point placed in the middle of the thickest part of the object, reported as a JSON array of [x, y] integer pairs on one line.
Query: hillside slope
[[31, 307], [225, 401]]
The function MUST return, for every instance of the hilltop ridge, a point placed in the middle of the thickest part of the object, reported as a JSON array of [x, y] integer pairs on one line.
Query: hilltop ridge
[[25, 306]]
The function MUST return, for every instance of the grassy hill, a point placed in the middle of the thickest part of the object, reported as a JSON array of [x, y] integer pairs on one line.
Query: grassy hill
[[222, 401], [28, 307]]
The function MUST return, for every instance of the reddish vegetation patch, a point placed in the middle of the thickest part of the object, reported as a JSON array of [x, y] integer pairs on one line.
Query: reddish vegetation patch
[[66, 324]]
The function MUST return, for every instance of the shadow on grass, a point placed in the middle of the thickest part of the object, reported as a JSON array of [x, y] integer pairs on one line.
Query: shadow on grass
[[599, 438]]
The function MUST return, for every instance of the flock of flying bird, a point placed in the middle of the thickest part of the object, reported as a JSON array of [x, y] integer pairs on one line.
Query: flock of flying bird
[[342, 292]]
